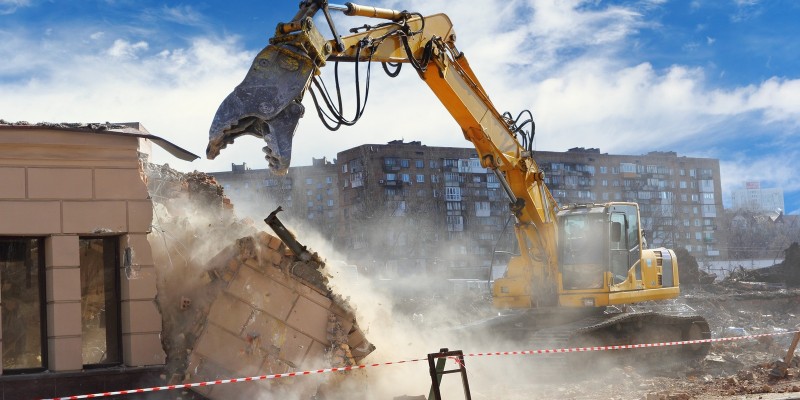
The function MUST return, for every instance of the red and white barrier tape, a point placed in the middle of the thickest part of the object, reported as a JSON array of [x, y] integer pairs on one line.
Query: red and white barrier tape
[[356, 367], [626, 346], [234, 380]]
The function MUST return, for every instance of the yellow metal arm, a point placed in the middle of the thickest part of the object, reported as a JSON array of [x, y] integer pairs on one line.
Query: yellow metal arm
[[451, 79], [268, 104]]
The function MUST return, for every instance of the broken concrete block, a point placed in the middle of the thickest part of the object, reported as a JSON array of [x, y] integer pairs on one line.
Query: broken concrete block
[[255, 307]]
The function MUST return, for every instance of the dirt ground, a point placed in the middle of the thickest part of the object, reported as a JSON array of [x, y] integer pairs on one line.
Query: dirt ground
[[738, 368], [732, 369]]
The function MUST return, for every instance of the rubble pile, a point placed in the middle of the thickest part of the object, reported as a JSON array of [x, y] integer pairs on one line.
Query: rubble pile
[[235, 301], [265, 320], [784, 274], [731, 368], [689, 270]]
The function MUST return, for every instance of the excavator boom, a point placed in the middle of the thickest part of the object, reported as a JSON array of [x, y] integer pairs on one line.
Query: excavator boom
[[584, 258], [267, 104]]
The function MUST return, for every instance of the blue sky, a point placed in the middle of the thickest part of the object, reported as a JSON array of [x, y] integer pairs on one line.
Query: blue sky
[[703, 78]]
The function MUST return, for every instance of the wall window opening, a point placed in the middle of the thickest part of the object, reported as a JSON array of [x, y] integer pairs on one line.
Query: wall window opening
[[23, 305], [100, 306]]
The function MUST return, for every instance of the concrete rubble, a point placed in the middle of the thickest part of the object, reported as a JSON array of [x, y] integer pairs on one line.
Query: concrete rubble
[[236, 302]]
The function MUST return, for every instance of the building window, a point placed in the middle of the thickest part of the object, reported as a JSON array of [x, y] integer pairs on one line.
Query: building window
[[100, 301], [270, 182], [419, 163], [406, 178], [309, 181], [329, 179], [455, 223], [482, 209], [404, 163], [453, 193], [627, 168], [23, 305], [420, 178]]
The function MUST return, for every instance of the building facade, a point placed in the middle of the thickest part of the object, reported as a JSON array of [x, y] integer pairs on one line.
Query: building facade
[[409, 208], [309, 195], [753, 197], [405, 208], [680, 198], [77, 275]]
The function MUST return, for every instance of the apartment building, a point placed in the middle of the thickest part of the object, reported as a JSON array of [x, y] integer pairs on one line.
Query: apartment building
[[403, 208], [409, 208], [308, 194], [753, 197], [680, 198]]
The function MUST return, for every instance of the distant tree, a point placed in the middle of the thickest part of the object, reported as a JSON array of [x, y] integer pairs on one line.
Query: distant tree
[[753, 235], [688, 269], [791, 264]]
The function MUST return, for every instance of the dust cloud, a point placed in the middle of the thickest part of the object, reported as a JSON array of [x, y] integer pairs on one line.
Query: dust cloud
[[406, 319]]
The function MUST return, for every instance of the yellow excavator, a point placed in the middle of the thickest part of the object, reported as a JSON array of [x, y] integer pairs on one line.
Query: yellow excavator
[[583, 274]]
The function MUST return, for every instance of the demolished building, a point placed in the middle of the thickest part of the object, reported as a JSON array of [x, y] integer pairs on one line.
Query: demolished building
[[95, 291]]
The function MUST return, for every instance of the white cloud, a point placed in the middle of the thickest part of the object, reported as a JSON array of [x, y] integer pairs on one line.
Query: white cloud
[[182, 14], [565, 60], [174, 93], [125, 49], [11, 6]]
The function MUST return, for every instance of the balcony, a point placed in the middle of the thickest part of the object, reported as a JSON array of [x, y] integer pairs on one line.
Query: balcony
[[386, 182], [391, 168]]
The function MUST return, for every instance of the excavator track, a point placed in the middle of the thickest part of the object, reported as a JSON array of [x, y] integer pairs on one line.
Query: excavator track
[[621, 329]]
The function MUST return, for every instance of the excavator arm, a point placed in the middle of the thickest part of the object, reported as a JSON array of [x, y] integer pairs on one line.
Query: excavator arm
[[268, 104]]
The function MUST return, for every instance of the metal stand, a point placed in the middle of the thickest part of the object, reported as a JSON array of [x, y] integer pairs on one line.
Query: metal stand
[[782, 367], [437, 371]]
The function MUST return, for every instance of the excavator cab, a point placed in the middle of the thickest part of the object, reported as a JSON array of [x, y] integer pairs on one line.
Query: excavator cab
[[602, 260]]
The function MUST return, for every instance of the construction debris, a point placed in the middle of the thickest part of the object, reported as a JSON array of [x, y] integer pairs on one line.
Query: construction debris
[[235, 301]]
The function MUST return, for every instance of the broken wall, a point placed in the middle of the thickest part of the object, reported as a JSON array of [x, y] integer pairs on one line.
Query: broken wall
[[234, 301], [62, 186]]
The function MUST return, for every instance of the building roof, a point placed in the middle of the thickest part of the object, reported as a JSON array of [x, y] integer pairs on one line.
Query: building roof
[[131, 129]]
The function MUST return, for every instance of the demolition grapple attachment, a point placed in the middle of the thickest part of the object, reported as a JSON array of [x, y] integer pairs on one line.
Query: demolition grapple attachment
[[266, 104]]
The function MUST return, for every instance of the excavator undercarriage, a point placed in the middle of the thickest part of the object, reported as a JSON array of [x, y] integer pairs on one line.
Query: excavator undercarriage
[[574, 332]]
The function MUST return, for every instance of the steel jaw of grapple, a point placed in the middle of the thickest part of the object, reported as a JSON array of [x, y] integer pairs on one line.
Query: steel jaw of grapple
[[266, 104]]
